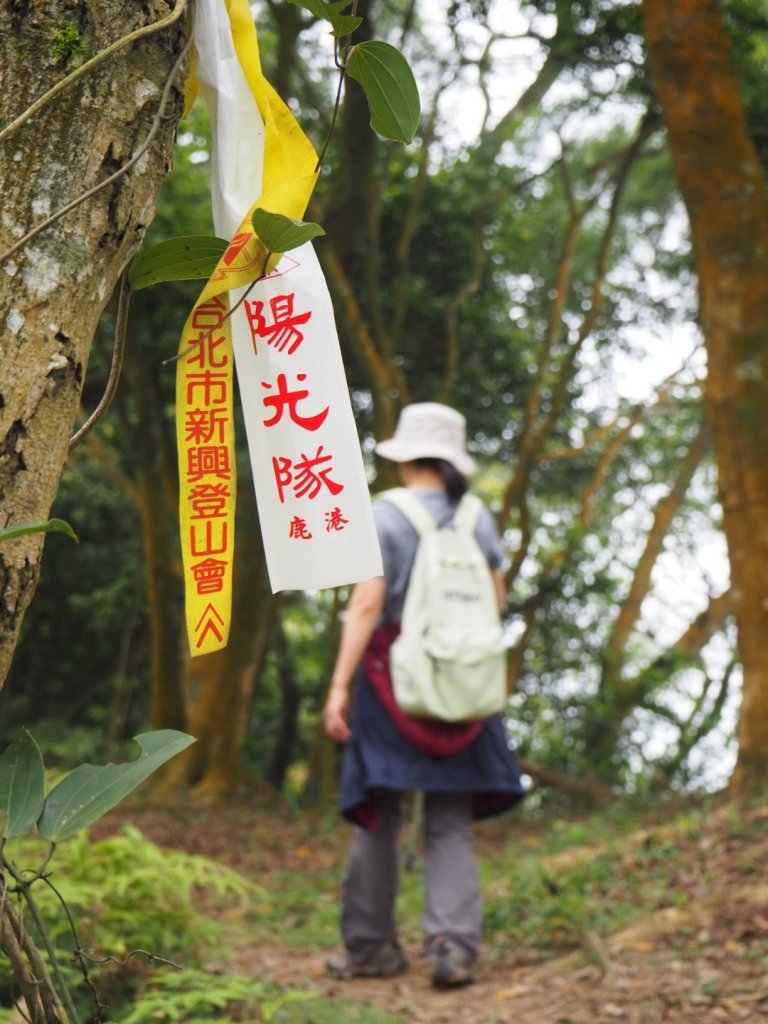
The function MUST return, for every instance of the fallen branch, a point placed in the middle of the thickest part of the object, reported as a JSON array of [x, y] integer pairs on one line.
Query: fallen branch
[[595, 791]]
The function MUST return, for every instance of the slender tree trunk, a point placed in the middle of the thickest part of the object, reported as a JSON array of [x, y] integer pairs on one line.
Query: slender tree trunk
[[323, 758], [290, 705], [145, 424], [55, 286], [219, 687], [724, 189], [227, 696]]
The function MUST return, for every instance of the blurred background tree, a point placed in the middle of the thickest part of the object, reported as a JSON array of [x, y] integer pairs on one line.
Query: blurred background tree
[[528, 260]]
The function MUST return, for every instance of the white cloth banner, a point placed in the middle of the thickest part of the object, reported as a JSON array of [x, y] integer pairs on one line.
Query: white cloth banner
[[311, 489]]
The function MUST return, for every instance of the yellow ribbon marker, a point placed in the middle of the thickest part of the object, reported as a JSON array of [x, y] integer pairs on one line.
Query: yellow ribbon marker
[[205, 379]]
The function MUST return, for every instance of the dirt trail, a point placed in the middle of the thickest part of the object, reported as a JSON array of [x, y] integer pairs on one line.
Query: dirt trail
[[704, 969], [701, 963]]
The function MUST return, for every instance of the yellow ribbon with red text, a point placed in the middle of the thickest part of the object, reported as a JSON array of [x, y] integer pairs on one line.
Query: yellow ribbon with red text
[[205, 369]]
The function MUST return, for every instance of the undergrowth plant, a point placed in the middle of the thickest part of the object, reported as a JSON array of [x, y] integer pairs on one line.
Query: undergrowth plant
[[147, 922], [132, 906], [197, 997], [27, 936]]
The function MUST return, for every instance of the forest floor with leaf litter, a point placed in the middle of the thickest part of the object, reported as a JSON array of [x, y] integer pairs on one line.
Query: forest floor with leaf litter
[[596, 921]]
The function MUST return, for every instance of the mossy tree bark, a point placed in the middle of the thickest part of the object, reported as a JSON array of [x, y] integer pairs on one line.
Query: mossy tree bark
[[54, 288]]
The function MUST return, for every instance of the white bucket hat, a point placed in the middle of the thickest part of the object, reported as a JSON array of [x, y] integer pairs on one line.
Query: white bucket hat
[[429, 430]]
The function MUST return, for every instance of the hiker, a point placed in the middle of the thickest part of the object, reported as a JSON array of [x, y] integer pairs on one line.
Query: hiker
[[464, 769]]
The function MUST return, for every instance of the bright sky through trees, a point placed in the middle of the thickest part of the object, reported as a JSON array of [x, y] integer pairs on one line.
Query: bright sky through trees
[[654, 350]]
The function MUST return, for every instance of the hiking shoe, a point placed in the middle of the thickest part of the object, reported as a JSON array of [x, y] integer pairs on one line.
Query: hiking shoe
[[451, 966], [384, 963]]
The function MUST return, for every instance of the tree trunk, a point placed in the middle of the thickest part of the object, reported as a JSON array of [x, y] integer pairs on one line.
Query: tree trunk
[[54, 287], [724, 189], [323, 758], [283, 750], [152, 450], [219, 687], [226, 696]]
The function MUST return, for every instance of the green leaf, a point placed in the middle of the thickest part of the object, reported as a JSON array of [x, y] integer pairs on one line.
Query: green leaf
[[90, 791], [280, 233], [22, 785], [390, 88], [51, 526], [342, 24], [189, 258]]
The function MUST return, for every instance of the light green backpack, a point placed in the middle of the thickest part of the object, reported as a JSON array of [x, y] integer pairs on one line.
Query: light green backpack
[[449, 661]]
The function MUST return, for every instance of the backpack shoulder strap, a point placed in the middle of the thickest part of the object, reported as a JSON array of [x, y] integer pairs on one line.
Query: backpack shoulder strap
[[467, 513], [410, 506]]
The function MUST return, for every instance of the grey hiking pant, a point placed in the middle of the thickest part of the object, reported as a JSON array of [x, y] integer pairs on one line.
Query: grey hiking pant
[[452, 907]]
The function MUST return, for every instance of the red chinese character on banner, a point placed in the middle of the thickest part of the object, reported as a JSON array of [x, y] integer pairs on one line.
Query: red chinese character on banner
[[334, 520], [209, 575], [209, 315], [208, 461], [204, 353], [202, 424], [209, 501], [206, 319], [213, 385], [201, 538], [291, 399], [236, 246], [298, 529], [308, 482], [209, 622], [303, 476], [282, 333]]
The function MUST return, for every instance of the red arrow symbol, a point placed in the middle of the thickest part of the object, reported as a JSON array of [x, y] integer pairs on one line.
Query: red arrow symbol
[[209, 625]]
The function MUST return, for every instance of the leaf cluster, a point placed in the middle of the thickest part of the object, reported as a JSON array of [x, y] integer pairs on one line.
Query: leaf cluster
[[747, 21], [83, 796], [134, 909]]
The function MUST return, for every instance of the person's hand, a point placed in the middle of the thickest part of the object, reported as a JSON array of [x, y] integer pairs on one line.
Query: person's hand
[[335, 714]]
